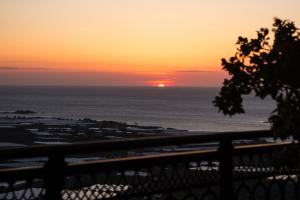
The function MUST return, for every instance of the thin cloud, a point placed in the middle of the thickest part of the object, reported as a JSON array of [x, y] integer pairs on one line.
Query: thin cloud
[[8, 68], [22, 68], [193, 71]]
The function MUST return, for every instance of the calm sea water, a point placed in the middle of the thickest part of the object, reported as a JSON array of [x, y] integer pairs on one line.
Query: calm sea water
[[181, 108]]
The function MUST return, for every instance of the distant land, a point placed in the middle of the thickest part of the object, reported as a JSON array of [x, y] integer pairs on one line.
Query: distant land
[[23, 130]]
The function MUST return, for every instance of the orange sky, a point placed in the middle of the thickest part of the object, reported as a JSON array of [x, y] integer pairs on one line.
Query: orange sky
[[127, 42]]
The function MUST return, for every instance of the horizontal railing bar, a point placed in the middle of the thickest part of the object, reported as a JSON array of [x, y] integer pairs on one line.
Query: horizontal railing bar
[[142, 161], [126, 144], [138, 161], [169, 157], [118, 162], [22, 173], [253, 148]]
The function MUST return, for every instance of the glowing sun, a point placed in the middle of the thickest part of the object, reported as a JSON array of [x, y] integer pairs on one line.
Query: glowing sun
[[161, 85]]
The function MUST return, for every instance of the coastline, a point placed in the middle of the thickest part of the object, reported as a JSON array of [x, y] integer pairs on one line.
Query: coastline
[[24, 130], [19, 131]]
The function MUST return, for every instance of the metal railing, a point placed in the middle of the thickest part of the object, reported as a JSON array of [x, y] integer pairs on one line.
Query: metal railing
[[257, 171]]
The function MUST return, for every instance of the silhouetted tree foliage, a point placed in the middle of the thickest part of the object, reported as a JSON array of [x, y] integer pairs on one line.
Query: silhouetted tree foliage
[[266, 66]]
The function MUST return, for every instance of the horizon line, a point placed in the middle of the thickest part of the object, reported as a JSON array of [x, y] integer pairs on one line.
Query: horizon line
[[137, 86]]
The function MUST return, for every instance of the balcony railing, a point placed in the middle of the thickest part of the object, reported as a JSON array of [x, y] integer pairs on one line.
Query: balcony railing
[[228, 171]]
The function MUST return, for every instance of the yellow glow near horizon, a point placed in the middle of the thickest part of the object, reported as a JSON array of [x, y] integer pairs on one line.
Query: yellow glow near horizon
[[157, 37], [161, 85]]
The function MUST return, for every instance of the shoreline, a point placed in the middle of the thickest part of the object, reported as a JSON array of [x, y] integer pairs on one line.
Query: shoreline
[[25, 130], [19, 131]]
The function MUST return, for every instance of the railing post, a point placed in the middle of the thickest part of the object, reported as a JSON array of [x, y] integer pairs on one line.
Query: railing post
[[54, 177], [226, 169]]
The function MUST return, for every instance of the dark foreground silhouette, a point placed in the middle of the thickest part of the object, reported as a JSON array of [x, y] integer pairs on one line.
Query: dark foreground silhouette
[[267, 68]]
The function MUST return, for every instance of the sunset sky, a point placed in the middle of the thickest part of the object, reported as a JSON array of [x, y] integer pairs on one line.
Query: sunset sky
[[127, 42]]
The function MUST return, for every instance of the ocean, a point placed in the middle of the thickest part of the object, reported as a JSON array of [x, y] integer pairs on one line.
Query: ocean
[[170, 107]]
